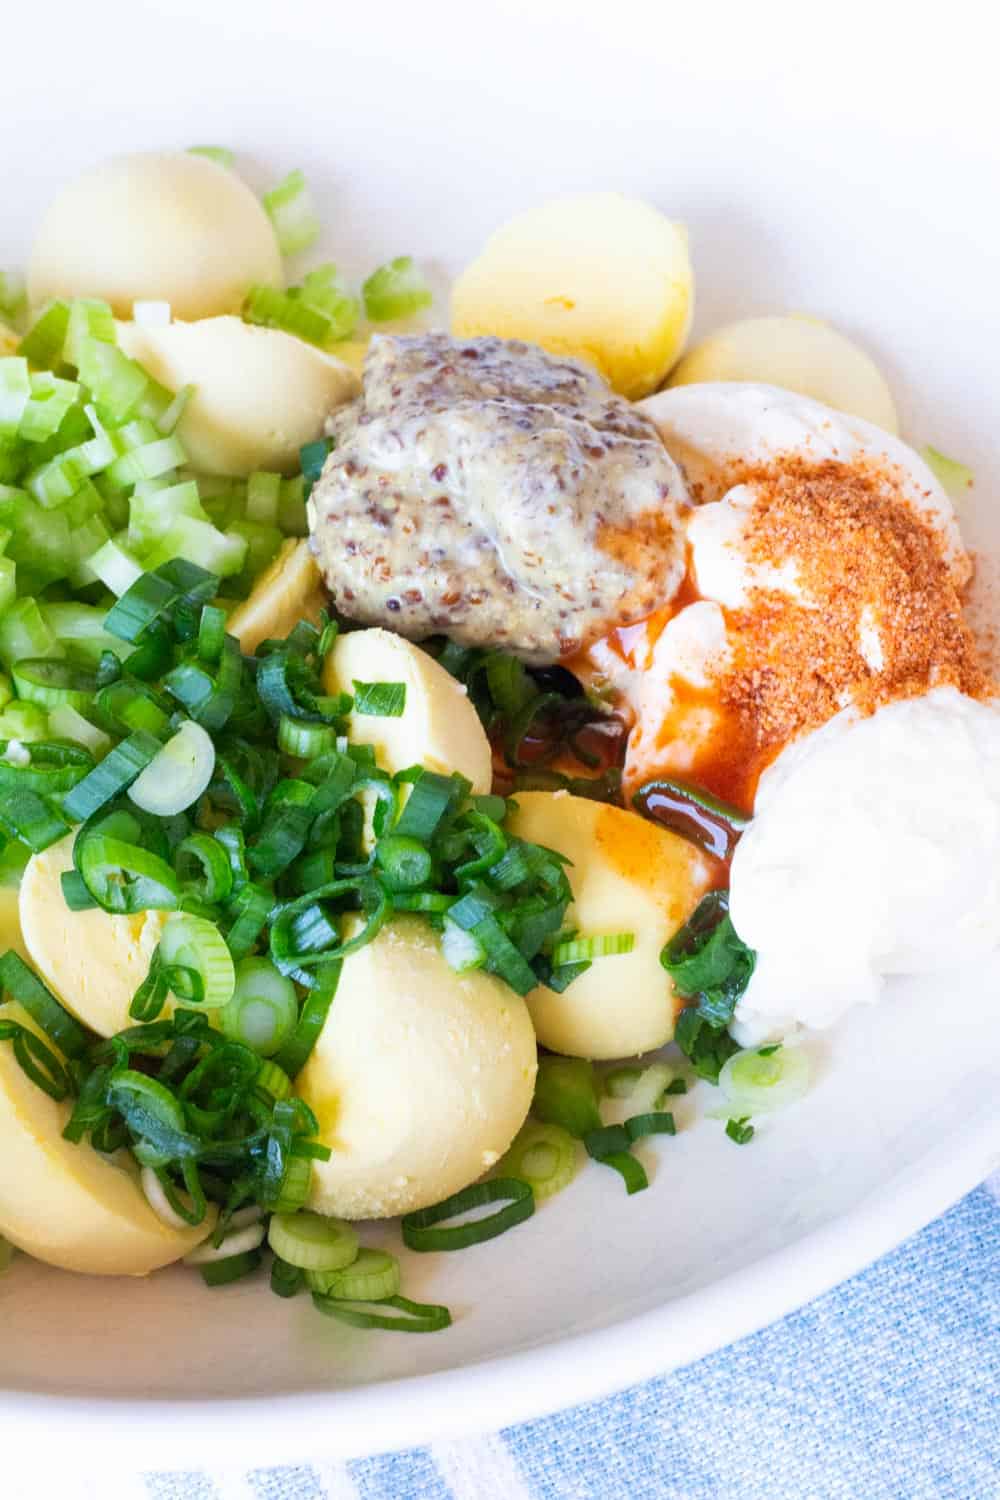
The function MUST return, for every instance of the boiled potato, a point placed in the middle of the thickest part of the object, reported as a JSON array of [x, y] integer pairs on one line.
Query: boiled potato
[[801, 354], [627, 875], [420, 1079], [259, 393], [600, 276], [439, 728], [64, 1203], [290, 590], [92, 961], [155, 225]]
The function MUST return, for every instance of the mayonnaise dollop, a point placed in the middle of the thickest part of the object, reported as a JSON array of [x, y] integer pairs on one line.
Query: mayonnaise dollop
[[874, 850]]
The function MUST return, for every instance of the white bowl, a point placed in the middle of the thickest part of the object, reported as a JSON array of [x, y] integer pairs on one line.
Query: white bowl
[[851, 178]]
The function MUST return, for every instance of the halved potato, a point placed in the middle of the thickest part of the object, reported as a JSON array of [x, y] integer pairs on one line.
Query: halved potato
[[799, 353], [92, 961], [64, 1203], [627, 875], [288, 591], [438, 729], [155, 225], [259, 393], [600, 276], [420, 1079]]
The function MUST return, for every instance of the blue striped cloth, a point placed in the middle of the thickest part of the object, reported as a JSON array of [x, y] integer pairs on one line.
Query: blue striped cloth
[[887, 1388]]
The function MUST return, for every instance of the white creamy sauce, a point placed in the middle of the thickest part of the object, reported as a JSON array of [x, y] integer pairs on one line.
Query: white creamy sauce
[[874, 850]]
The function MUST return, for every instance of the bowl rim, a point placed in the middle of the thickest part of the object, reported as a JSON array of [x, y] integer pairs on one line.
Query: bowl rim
[[503, 1390]]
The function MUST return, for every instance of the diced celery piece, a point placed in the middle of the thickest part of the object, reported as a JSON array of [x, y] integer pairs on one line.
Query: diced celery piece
[[8, 582], [273, 309], [153, 511], [290, 209], [200, 542], [89, 319], [115, 566], [56, 481], [87, 540], [23, 721], [40, 539], [263, 495], [23, 632], [147, 462], [324, 291], [43, 343], [292, 507], [395, 290], [15, 393], [51, 401], [263, 542], [80, 629]]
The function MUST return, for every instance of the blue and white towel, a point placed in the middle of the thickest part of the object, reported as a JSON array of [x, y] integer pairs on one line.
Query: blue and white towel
[[887, 1388]]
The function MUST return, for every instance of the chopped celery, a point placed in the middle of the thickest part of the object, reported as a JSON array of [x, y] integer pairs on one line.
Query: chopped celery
[[43, 343], [89, 320], [270, 308], [15, 393], [115, 566], [51, 401], [262, 545], [324, 292], [23, 632], [292, 507], [290, 209], [153, 511], [263, 496], [395, 290], [202, 543], [219, 154], [80, 629], [8, 582]]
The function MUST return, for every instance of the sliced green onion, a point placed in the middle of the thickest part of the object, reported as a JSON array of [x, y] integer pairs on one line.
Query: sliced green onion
[[250, 909], [566, 1095], [579, 949], [422, 1230], [274, 1080], [24, 986], [372, 1277], [240, 1242], [123, 878], [50, 682], [312, 457], [631, 1171], [203, 867], [763, 1080], [178, 775], [293, 1189], [191, 942], [290, 209], [416, 1317], [27, 816], [315, 1009], [385, 700], [543, 1156], [286, 1280], [406, 864], [312, 1242], [233, 1268], [303, 937], [395, 290], [656, 1122], [264, 1008], [620, 1082], [461, 951], [36, 1060], [305, 741], [740, 1131], [116, 772]]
